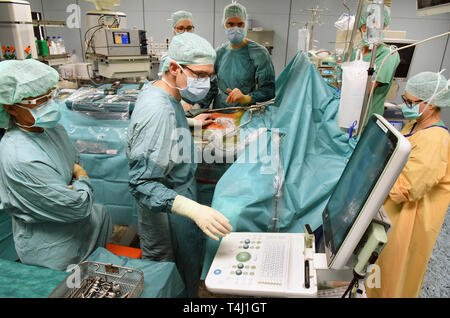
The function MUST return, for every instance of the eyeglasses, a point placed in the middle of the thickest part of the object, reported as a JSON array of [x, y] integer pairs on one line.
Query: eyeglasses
[[201, 75], [182, 29], [53, 93], [410, 103]]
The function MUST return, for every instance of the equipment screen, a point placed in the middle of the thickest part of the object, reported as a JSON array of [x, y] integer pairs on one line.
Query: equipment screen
[[121, 37], [371, 155], [406, 56]]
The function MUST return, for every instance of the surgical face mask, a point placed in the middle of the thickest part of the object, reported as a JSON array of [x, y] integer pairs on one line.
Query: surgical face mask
[[46, 115], [196, 89], [235, 35], [411, 113]]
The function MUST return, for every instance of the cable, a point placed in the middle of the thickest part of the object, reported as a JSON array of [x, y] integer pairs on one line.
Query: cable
[[91, 79], [445, 51], [350, 286], [100, 25], [89, 43]]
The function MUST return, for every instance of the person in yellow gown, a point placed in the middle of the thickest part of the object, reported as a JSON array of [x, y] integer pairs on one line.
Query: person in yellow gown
[[418, 202]]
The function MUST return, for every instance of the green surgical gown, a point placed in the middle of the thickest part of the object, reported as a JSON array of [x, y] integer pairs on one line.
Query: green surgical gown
[[54, 226], [248, 68], [160, 153]]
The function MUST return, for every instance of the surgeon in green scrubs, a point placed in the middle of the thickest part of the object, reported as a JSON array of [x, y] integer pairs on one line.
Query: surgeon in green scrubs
[[245, 73], [386, 75], [42, 183], [162, 162]]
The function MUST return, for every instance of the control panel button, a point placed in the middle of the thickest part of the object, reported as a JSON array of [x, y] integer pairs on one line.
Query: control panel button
[[243, 257]]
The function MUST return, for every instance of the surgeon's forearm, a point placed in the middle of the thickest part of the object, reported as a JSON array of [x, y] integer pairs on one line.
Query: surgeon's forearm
[[263, 94], [153, 195], [65, 205]]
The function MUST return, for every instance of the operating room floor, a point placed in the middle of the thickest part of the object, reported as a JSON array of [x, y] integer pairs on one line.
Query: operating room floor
[[437, 279]]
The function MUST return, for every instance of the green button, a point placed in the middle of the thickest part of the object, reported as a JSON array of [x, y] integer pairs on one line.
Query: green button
[[243, 257]]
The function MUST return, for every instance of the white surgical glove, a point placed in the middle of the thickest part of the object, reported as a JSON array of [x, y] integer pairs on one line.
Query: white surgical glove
[[209, 220]]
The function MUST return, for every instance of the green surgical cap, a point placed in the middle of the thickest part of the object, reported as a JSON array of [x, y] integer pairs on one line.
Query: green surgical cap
[[234, 10], [364, 14], [423, 86], [180, 15], [191, 49], [21, 79]]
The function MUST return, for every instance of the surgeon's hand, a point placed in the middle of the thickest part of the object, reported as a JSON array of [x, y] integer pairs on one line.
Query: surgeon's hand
[[236, 95], [209, 220], [203, 120], [78, 171], [186, 106]]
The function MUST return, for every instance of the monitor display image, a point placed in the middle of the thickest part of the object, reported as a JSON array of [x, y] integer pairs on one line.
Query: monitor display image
[[357, 181], [406, 56], [121, 37]]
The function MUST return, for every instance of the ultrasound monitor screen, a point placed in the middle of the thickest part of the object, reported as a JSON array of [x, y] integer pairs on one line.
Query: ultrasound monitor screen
[[370, 157]]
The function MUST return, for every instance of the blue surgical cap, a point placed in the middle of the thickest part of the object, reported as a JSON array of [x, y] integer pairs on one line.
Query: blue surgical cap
[[191, 49], [21, 79], [234, 10], [180, 15]]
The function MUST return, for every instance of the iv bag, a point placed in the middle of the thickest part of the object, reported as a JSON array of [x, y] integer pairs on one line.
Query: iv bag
[[303, 40], [375, 22], [354, 80]]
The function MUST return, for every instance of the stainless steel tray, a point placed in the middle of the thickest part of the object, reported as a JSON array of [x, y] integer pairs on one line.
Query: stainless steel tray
[[100, 280]]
